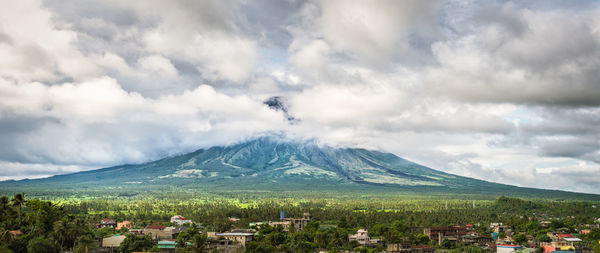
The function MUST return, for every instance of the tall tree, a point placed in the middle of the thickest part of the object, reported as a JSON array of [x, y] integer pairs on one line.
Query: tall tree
[[19, 201], [198, 243], [3, 202], [4, 205], [85, 244], [62, 231], [134, 243], [41, 245]]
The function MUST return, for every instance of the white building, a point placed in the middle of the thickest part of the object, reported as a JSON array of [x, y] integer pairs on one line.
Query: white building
[[507, 248], [180, 220], [362, 237]]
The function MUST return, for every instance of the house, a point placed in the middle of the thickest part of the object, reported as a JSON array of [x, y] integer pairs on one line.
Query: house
[[362, 237], [299, 223], [494, 224], [124, 224], [560, 241], [405, 247], [508, 248], [159, 232], [284, 224], [497, 230], [106, 223], [242, 238], [474, 238], [223, 245], [453, 233], [113, 241], [180, 220], [136, 231]]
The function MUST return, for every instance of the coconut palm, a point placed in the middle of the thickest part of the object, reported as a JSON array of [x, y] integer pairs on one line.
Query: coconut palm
[[3, 205], [85, 244], [61, 231], [198, 243], [19, 201]]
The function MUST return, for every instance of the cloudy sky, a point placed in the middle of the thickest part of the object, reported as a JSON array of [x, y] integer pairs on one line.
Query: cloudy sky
[[502, 91]]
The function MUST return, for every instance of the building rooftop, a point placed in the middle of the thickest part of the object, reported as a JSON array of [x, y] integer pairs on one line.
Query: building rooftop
[[564, 235], [167, 244], [508, 246], [234, 234], [159, 227]]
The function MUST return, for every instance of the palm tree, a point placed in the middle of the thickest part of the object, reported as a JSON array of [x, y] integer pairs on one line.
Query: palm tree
[[85, 244], [61, 231], [19, 200], [3, 205], [3, 202], [198, 243]]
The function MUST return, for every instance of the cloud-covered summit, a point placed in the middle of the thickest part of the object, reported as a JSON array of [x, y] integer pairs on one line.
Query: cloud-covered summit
[[506, 91]]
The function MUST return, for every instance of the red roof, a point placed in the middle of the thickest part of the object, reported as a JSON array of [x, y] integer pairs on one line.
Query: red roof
[[565, 235], [107, 221], [155, 227]]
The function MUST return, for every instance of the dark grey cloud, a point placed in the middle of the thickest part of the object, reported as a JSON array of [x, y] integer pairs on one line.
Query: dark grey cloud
[[272, 29], [507, 53], [569, 147], [14, 129]]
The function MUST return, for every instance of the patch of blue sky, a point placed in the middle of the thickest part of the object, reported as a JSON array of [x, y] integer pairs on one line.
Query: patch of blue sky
[[522, 115]]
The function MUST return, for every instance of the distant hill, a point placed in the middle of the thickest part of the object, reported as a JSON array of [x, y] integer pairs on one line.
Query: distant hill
[[269, 163]]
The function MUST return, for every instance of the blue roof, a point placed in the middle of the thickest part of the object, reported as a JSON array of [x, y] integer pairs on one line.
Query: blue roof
[[510, 246]]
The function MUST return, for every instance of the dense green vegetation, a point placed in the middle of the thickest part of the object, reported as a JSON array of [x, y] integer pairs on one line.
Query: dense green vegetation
[[66, 223], [45, 226]]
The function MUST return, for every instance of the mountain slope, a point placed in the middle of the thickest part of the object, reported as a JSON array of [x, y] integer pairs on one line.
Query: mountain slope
[[268, 163]]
